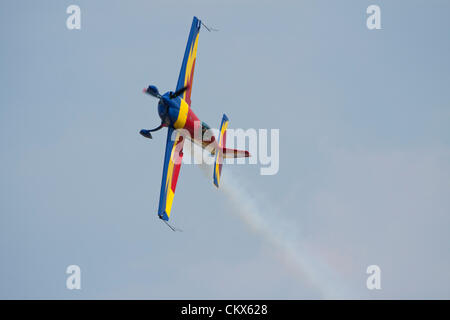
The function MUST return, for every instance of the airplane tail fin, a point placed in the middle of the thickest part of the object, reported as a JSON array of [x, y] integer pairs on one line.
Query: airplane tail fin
[[223, 152]]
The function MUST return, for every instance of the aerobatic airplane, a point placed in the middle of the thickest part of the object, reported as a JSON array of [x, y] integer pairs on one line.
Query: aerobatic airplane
[[174, 109]]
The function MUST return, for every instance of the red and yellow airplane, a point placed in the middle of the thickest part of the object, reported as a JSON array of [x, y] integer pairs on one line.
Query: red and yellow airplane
[[174, 109]]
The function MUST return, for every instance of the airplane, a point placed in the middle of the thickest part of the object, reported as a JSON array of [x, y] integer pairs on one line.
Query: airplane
[[174, 109]]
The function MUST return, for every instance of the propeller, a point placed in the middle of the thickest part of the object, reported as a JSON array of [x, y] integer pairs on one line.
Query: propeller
[[153, 91]]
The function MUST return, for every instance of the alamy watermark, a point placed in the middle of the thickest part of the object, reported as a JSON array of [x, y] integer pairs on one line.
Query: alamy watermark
[[374, 280], [74, 20], [373, 21], [73, 281], [262, 144]]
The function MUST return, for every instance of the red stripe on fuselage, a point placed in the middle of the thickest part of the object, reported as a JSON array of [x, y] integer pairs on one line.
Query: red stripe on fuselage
[[192, 123], [194, 127]]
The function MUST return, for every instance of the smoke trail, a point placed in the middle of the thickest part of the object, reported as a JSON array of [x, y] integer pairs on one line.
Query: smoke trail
[[259, 217], [264, 221]]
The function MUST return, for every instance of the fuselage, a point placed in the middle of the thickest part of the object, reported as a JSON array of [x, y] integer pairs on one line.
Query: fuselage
[[176, 113]]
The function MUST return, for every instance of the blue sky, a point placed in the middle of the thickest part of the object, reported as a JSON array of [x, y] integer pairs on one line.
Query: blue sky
[[364, 150]]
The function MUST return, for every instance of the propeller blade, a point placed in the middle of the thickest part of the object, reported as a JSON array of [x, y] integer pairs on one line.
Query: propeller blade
[[146, 133], [179, 92], [153, 91]]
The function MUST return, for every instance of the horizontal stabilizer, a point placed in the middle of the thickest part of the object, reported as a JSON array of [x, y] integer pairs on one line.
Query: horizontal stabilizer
[[235, 153], [219, 154]]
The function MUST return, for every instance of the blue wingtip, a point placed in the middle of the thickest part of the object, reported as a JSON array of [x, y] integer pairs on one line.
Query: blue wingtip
[[164, 216]]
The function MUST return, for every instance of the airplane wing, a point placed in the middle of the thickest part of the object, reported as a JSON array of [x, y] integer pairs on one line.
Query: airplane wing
[[172, 165], [187, 68]]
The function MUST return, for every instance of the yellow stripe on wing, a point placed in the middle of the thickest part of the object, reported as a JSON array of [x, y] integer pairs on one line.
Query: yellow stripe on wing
[[168, 189], [190, 63], [169, 201]]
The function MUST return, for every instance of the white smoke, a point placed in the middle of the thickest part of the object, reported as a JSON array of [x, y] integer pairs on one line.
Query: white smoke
[[266, 221]]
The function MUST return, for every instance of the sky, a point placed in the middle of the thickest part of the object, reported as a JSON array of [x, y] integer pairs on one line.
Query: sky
[[364, 175]]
